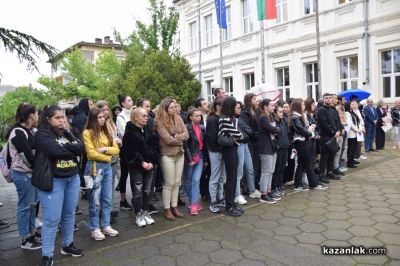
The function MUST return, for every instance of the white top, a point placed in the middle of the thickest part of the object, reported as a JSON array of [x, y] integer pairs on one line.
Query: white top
[[122, 119]]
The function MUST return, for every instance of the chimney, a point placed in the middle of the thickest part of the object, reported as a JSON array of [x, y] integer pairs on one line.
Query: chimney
[[98, 40], [107, 40]]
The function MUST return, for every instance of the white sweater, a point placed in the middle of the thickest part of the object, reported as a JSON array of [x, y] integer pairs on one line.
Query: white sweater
[[122, 119]]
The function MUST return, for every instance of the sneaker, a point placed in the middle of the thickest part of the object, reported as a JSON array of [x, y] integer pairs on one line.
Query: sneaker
[[193, 209], [125, 206], [238, 208], [152, 209], [78, 211], [298, 188], [289, 183], [274, 196], [338, 172], [362, 157], [240, 200], [114, 214], [47, 261], [222, 203], [200, 206], [38, 223], [30, 243], [321, 187], [283, 192], [267, 199], [148, 219], [37, 237], [214, 207], [324, 179], [1, 204], [342, 169], [140, 221], [98, 235], [4, 224], [231, 211], [72, 251], [256, 194], [108, 230]]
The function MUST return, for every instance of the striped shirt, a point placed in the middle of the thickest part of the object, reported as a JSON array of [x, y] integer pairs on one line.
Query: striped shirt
[[227, 128]]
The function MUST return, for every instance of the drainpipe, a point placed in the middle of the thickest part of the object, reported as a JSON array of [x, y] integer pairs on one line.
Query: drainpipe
[[366, 43]]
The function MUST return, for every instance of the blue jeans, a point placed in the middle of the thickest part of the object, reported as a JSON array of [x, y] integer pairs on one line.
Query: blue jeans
[[27, 197], [192, 181], [369, 140], [100, 196], [245, 163], [58, 207]]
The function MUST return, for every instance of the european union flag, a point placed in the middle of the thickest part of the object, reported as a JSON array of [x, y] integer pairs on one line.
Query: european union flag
[[221, 13]]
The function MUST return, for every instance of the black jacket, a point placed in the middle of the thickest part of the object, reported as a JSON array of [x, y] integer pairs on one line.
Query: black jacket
[[191, 146], [23, 145], [62, 148], [265, 143], [80, 114], [250, 122], [326, 122], [298, 128], [336, 118], [283, 140], [212, 133], [137, 147], [245, 129]]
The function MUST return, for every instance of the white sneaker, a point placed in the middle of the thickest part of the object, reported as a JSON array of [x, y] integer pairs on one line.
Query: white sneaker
[[140, 221], [343, 169], [98, 235], [305, 179], [362, 157], [256, 194], [1, 204], [38, 223], [108, 230], [240, 200], [148, 219]]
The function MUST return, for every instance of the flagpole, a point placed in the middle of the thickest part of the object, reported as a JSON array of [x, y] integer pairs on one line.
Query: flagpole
[[220, 44], [318, 47], [199, 32], [262, 48]]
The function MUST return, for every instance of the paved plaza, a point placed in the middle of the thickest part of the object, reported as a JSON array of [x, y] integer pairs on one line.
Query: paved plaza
[[361, 209]]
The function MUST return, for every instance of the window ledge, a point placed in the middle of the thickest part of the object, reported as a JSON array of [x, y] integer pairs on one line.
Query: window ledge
[[280, 28]]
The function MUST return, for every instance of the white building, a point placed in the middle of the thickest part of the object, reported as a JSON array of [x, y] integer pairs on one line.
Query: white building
[[290, 46]]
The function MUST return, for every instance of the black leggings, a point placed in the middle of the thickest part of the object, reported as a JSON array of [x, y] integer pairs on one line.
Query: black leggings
[[229, 155], [281, 160], [326, 160], [141, 187], [351, 150], [304, 164], [124, 176]]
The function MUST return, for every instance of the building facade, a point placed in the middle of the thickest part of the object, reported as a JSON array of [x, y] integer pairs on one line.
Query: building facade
[[359, 40]]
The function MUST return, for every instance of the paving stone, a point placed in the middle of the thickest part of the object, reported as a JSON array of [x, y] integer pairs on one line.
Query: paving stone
[[393, 252], [293, 214], [393, 196], [363, 231], [249, 254], [385, 218], [335, 243], [288, 239], [336, 224], [337, 234], [174, 249], [365, 241], [389, 238], [144, 251], [266, 225], [357, 206], [360, 213], [337, 208], [388, 228], [286, 230], [205, 246], [270, 216], [316, 210], [369, 259], [312, 227], [361, 221], [230, 245], [337, 215], [381, 210], [339, 201], [296, 206], [312, 218], [159, 260], [225, 256], [310, 238], [188, 238], [290, 221], [192, 258], [374, 199], [356, 199], [159, 241], [275, 209], [316, 203]]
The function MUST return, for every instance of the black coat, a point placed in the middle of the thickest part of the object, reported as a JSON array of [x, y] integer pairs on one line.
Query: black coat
[[265, 143], [283, 141], [250, 122], [297, 127], [326, 122], [212, 133], [137, 147], [191, 146]]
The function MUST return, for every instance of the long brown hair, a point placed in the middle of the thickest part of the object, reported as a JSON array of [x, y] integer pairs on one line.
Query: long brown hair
[[249, 106], [217, 102], [162, 115], [95, 129], [110, 123], [261, 106], [296, 107]]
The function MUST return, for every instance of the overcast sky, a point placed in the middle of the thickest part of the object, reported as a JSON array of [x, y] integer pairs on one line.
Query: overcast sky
[[62, 24]]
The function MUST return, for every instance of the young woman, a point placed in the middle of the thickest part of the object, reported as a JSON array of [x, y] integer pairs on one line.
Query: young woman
[[21, 149], [116, 110], [126, 103], [300, 137], [59, 205], [228, 129], [380, 135], [137, 151], [354, 130], [395, 114], [195, 156], [248, 116], [282, 145], [100, 147], [172, 133], [267, 150], [217, 175], [291, 164]]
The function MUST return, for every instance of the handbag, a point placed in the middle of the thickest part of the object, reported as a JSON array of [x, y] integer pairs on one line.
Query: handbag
[[42, 177], [225, 141], [332, 145]]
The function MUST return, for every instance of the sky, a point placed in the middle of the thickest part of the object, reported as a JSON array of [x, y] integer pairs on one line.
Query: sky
[[62, 23]]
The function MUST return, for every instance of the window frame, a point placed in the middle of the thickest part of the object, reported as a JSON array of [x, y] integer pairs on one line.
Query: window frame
[[228, 31], [312, 7], [392, 75], [285, 89], [349, 79], [248, 78], [281, 11], [208, 30], [209, 88], [193, 36], [315, 93], [229, 89], [246, 20]]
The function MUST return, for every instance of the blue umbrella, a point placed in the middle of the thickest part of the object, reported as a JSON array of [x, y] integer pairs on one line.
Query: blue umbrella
[[360, 94]]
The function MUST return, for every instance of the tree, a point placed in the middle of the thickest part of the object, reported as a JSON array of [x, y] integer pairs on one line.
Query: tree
[[25, 46]]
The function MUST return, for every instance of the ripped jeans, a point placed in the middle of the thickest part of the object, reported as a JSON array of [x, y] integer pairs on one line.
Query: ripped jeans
[[141, 185], [100, 195], [27, 198]]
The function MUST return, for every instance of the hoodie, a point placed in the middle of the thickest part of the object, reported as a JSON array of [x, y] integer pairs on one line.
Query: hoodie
[[80, 114]]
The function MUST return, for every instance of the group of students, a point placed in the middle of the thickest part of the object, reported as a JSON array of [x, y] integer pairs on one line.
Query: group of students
[[203, 151]]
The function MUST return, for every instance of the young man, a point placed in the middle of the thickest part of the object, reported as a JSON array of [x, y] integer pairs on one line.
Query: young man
[[219, 92], [339, 126]]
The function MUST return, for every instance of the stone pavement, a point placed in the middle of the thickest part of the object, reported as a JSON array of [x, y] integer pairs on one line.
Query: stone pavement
[[361, 209]]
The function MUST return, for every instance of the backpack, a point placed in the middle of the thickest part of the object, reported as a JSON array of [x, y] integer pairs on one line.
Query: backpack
[[5, 163]]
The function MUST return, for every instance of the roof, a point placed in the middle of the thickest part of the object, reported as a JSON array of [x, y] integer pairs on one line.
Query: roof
[[80, 44]]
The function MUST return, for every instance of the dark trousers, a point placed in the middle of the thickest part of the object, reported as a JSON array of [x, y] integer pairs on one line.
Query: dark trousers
[[204, 182], [141, 186], [351, 150], [379, 138], [327, 157], [370, 135], [229, 155], [82, 167], [256, 162], [305, 164], [281, 160], [289, 169], [124, 176]]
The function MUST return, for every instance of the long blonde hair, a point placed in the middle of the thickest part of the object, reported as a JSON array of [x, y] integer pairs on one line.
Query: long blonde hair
[[109, 122], [162, 115]]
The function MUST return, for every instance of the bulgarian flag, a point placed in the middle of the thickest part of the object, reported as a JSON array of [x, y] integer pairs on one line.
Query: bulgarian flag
[[266, 9]]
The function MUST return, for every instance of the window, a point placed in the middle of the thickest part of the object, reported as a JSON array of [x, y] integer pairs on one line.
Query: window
[[348, 73], [248, 81], [344, 1], [228, 86], [281, 10], [88, 55], [193, 36], [390, 63], [247, 23], [309, 7], [209, 30], [312, 86], [283, 83], [210, 95], [228, 31]]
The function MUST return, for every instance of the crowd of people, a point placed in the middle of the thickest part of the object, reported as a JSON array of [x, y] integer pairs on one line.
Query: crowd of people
[[216, 154]]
